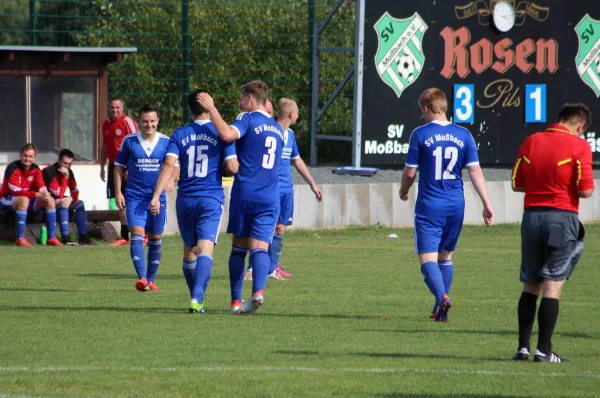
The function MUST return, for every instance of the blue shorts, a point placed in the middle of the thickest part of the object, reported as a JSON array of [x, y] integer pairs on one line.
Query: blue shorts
[[253, 220], [199, 218], [138, 215], [6, 203], [286, 213], [436, 233]]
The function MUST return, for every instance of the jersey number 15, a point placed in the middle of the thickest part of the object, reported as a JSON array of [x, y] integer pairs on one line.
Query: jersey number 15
[[197, 161]]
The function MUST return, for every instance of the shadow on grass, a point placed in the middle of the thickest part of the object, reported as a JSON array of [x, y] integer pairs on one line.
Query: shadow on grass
[[158, 278], [25, 289], [398, 395], [163, 310], [389, 355], [575, 335]]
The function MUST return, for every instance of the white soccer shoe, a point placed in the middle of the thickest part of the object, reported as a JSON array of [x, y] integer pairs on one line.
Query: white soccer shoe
[[253, 304]]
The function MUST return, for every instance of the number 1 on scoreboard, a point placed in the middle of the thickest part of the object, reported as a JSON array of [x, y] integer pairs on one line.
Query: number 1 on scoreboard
[[535, 103]]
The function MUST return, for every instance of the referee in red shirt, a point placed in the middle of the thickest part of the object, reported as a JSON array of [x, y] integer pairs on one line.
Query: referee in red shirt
[[554, 169], [114, 129]]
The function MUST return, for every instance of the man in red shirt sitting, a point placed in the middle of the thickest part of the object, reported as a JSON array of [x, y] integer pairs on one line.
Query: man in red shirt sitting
[[58, 177], [554, 169], [114, 129], [23, 190]]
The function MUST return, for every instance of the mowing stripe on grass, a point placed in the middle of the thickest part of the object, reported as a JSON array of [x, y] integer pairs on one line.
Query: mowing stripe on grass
[[55, 369]]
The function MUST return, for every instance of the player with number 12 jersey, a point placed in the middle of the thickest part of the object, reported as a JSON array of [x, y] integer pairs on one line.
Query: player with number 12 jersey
[[440, 150]]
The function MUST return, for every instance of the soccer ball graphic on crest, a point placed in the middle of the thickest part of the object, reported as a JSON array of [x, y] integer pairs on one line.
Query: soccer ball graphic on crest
[[405, 66]]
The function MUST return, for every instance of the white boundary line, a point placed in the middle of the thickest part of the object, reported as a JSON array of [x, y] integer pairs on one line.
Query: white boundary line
[[56, 369]]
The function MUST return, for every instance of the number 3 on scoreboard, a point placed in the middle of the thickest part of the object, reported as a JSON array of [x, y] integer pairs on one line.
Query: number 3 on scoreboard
[[464, 103], [535, 103]]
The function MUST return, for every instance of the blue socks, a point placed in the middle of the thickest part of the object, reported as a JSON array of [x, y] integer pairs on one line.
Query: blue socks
[[21, 222], [136, 249], [259, 259], [81, 218], [275, 251], [433, 279], [189, 271], [51, 222], [154, 255], [204, 266], [447, 270], [237, 262], [62, 214]]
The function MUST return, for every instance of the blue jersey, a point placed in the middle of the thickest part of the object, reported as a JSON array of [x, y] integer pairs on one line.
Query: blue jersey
[[441, 150], [289, 152], [143, 161], [201, 154], [259, 152]]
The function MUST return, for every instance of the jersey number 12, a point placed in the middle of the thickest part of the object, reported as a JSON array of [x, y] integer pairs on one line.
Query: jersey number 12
[[197, 161], [450, 153]]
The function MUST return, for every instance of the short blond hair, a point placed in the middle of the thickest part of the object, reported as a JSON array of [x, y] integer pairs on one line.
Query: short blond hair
[[435, 100], [285, 106]]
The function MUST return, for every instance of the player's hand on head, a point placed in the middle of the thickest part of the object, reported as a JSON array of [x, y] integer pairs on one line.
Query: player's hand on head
[[205, 100]]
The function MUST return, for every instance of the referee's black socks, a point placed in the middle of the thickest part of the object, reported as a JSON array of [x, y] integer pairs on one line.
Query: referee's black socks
[[526, 310], [547, 317]]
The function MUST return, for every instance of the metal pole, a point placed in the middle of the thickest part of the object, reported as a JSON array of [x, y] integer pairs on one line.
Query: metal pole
[[313, 29], [33, 22], [185, 28], [358, 82]]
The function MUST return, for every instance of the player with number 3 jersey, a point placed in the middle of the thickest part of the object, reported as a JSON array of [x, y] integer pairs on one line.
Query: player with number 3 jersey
[[440, 150], [254, 206]]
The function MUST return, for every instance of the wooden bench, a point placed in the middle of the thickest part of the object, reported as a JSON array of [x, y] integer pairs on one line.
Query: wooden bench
[[98, 224]]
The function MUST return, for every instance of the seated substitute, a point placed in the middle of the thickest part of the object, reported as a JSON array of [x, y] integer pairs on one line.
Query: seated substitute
[[23, 190], [58, 177]]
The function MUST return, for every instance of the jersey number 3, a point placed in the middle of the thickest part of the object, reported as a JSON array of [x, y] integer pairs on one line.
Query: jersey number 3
[[450, 153], [197, 165], [269, 158]]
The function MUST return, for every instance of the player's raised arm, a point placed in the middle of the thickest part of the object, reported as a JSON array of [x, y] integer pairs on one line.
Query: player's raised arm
[[225, 131]]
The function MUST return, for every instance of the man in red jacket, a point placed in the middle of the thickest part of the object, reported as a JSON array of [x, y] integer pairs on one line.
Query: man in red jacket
[[114, 129], [23, 190], [58, 177]]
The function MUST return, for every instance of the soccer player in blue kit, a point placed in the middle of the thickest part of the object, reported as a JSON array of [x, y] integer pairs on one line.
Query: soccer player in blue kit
[[203, 156], [254, 204], [143, 153], [441, 150]]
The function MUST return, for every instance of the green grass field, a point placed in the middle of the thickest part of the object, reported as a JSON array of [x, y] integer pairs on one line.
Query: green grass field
[[353, 321]]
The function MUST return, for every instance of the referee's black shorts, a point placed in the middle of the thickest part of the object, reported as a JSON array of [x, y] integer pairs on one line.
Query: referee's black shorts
[[551, 244], [110, 183]]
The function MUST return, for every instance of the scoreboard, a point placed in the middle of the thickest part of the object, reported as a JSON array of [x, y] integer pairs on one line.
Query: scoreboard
[[506, 66]]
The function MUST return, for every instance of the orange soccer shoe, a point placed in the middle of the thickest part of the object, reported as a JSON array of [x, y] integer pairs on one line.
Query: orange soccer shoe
[[22, 242], [152, 287], [120, 242], [142, 285], [53, 242]]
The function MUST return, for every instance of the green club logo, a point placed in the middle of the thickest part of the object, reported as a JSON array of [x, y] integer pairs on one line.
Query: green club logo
[[399, 58], [588, 54]]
